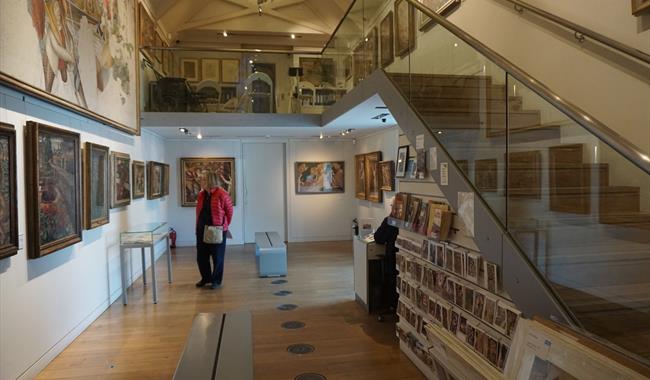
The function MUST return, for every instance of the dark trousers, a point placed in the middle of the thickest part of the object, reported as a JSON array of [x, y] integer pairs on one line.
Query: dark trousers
[[210, 273]]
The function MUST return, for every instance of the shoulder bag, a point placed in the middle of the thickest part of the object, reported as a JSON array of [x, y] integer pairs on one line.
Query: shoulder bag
[[212, 234]]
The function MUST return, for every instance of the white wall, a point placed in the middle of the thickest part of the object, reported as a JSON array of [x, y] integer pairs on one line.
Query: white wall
[[45, 303]]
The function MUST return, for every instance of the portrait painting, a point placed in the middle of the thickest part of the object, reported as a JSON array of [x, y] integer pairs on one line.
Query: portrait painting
[[402, 160], [8, 195], [219, 170], [373, 192], [318, 71], [485, 175], [120, 179], [386, 40], [441, 7], [404, 28], [387, 175], [86, 56], [53, 189], [320, 177], [360, 176], [96, 185], [138, 179], [155, 180]]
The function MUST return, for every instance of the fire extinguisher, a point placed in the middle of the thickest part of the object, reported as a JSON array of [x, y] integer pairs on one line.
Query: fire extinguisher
[[172, 237]]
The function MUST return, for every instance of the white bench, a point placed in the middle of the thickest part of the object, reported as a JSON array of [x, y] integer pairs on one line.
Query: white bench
[[271, 254]]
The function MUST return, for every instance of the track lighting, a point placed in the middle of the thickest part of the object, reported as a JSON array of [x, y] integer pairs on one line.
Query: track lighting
[[183, 130]]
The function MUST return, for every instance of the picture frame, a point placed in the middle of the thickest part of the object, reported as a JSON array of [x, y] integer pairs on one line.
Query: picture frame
[[640, 7], [318, 71], [485, 175], [166, 173], [441, 7], [191, 168], [387, 175], [347, 64], [139, 185], [323, 177], [411, 168], [525, 175], [211, 69], [387, 40], [53, 189], [155, 180], [373, 192], [8, 192], [402, 161], [190, 69], [120, 179], [372, 51], [360, 176], [96, 185], [404, 28], [230, 70]]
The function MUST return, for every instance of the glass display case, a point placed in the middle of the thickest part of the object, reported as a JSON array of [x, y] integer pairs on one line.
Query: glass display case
[[143, 234]]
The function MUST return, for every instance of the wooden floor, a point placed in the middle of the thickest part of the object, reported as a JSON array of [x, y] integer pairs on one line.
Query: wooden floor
[[144, 341]]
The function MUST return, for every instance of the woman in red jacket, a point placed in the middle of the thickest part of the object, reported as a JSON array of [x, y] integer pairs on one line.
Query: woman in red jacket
[[213, 208]]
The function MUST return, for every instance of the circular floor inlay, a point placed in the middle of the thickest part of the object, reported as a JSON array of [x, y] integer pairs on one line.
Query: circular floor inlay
[[278, 282], [293, 325], [287, 306], [301, 348], [310, 376], [282, 293]]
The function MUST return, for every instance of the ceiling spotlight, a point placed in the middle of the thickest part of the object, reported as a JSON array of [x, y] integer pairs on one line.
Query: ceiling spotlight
[[321, 136], [245, 88], [225, 33], [259, 10], [250, 61], [439, 132], [183, 130], [366, 39], [293, 36], [199, 136]]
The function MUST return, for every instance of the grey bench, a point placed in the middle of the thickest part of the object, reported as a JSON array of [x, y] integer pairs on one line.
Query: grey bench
[[220, 346], [270, 254]]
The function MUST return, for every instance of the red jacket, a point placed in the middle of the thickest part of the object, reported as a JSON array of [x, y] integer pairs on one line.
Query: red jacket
[[220, 207]]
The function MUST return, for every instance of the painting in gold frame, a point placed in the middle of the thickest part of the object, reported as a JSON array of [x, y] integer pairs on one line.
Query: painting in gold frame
[[191, 169], [120, 179], [373, 191], [8, 195], [372, 51], [96, 185], [387, 175], [155, 180], [404, 28], [387, 40], [360, 176], [138, 181]]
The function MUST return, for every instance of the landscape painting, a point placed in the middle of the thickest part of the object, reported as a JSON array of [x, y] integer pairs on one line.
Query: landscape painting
[[79, 54], [96, 185], [218, 169], [8, 201], [320, 177], [53, 189], [120, 179], [138, 183]]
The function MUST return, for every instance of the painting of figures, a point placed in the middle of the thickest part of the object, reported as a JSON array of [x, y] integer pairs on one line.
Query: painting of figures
[[96, 185], [373, 190], [120, 179], [53, 185], [137, 168], [218, 170], [155, 180], [8, 201], [320, 177], [79, 54], [360, 176]]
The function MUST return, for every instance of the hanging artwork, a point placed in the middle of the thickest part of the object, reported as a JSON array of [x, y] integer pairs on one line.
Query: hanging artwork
[[8, 200], [387, 175], [373, 192], [211, 69], [372, 51], [146, 29], [360, 176], [441, 7], [138, 180], [96, 185], [404, 28], [190, 69], [318, 71], [155, 180], [485, 175], [120, 179], [320, 177], [165, 179], [402, 161], [87, 60], [525, 174], [386, 40], [220, 170], [53, 189], [230, 70]]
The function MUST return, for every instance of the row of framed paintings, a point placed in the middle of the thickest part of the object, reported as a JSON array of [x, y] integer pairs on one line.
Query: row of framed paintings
[[59, 207], [368, 178], [429, 218]]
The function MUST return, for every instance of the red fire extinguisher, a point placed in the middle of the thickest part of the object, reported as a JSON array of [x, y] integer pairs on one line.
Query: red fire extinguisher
[[172, 237]]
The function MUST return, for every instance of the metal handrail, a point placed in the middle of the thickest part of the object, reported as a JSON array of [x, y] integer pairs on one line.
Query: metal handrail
[[581, 31], [600, 130]]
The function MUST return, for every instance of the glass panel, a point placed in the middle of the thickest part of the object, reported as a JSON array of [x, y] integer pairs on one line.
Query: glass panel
[[581, 212]]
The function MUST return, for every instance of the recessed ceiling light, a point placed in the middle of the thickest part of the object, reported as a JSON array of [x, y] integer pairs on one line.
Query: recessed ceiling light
[[225, 33]]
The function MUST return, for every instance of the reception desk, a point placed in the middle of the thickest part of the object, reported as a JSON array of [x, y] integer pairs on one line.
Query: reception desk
[[367, 271]]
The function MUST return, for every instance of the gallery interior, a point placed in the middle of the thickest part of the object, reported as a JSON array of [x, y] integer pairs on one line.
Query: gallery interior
[[420, 189]]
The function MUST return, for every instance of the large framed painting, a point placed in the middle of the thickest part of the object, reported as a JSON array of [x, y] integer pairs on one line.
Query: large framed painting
[[320, 177], [441, 7], [8, 195], [360, 176], [86, 56], [318, 71], [373, 191], [120, 179], [387, 175], [218, 169], [485, 175], [155, 180], [386, 40], [138, 184], [525, 174], [96, 185], [404, 28], [53, 189]]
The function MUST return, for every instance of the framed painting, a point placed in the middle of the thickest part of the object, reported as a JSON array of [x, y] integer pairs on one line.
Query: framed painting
[[53, 189], [320, 177], [360, 176], [485, 175], [230, 71], [220, 170], [96, 185], [138, 184], [358, 69], [402, 161], [75, 67], [525, 174], [640, 7], [347, 64], [464, 166], [387, 175], [404, 28], [441, 7], [165, 179], [386, 40], [318, 71], [155, 180], [569, 179], [146, 29], [120, 179], [211, 69], [372, 51], [190, 69], [373, 192], [8, 194]]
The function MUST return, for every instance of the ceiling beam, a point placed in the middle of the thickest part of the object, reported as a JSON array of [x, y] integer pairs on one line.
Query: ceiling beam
[[215, 19], [306, 24]]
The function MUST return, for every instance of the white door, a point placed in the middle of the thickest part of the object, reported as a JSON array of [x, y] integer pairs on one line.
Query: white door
[[264, 189]]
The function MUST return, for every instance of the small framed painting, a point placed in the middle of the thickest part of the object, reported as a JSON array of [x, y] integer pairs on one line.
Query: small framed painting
[[485, 175], [404, 28], [402, 160], [320, 177], [120, 179], [96, 185], [360, 176], [138, 180], [373, 192], [387, 175], [8, 194], [230, 70], [386, 40], [190, 69], [155, 180], [210, 69]]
